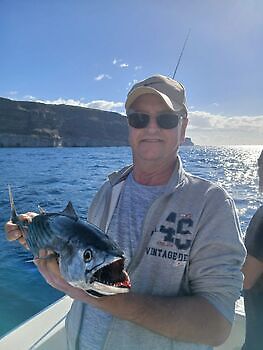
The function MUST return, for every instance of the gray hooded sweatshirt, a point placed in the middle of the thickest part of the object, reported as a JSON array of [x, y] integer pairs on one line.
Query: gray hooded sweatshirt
[[191, 244]]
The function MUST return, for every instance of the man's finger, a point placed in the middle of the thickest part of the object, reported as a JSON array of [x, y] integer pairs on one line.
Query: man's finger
[[27, 216], [12, 231]]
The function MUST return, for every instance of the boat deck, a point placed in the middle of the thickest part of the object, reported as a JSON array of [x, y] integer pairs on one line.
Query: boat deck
[[46, 330]]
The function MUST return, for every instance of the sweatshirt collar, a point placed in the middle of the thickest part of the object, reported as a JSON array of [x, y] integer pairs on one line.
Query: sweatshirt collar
[[177, 178]]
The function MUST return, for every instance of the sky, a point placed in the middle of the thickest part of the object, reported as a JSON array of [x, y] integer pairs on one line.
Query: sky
[[89, 53]]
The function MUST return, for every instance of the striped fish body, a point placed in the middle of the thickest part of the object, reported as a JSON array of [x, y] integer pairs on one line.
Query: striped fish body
[[87, 257]]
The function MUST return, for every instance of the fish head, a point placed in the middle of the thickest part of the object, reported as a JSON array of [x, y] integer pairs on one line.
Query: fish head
[[90, 259], [96, 271]]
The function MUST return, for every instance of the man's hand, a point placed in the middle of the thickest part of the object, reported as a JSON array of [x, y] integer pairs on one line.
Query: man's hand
[[48, 267], [13, 233]]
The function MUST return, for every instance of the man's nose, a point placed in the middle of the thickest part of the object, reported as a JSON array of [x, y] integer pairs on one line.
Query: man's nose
[[152, 126]]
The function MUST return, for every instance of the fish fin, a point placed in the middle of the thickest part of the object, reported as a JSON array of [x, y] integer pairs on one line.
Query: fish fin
[[50, 256], [47, 257], [70, 211], [13, 216], [41, 210]]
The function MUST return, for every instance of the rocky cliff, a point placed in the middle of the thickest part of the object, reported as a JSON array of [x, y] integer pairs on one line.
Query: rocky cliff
[[188, 142], [33, 124]]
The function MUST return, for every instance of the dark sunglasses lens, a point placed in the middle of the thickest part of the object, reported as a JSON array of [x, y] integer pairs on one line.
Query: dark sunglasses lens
[[138, 120], [167, 120]]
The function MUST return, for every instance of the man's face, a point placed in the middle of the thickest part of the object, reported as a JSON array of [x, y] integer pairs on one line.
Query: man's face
[[154, 143]]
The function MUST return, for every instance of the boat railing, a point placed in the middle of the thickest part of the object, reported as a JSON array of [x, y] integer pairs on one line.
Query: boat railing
[[46, 330]]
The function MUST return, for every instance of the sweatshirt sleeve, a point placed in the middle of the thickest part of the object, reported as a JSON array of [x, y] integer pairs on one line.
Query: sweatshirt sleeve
[[217, 254], [254, 235]]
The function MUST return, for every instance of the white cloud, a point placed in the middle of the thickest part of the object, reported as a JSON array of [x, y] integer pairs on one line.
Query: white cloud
[[30, 97], [211, 121], [209, 129], [137, 67], [118, 61], [102, 76], [96, 104], [106, 105]]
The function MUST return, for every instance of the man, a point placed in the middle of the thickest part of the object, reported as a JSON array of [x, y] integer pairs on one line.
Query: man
[[180, 235], [253, 272], [260, 172]]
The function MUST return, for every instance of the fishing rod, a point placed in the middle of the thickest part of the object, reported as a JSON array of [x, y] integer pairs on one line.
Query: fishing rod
[[181, 54]]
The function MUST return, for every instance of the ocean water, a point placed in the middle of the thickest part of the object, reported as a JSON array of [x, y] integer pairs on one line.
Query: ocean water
[[50, 177]]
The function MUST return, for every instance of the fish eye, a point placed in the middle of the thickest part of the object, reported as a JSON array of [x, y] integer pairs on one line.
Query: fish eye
[[87, 255]]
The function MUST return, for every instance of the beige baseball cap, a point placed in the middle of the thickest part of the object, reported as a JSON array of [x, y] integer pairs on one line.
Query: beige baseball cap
[[171, 91]]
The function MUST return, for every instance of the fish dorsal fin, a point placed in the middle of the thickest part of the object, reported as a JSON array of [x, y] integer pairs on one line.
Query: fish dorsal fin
[[70, 211], [41, 210]]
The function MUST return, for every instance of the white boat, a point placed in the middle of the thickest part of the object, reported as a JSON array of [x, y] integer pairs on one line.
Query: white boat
[[46, 330]]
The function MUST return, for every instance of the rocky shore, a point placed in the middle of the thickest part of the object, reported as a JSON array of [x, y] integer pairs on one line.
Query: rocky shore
[[34, 124]]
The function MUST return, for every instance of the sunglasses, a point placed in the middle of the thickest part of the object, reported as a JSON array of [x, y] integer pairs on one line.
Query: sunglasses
[[167, 120]]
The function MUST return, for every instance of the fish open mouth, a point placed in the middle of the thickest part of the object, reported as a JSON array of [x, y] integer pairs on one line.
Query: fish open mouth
[[110, 279]]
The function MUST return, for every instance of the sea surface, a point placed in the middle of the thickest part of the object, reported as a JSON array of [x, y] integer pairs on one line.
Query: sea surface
[[50, 177]]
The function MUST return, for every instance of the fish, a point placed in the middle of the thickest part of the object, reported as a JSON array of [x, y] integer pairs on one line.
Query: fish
[[87, 257]]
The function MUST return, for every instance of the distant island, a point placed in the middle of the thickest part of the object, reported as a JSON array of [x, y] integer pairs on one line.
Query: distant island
[[188, 142], [35, 124]]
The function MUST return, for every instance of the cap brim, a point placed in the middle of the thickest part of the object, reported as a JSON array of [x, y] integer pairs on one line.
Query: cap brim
[[142, 90]]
